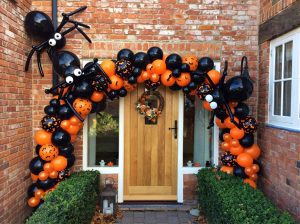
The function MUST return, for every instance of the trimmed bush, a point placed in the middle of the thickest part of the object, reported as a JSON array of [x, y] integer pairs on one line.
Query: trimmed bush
[[224, 199], [73, 201]]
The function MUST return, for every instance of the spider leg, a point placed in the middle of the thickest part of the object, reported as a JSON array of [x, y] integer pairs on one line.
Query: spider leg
[[59, 85], [231, 115], [103, 73], [79, 23], [82, 8], [83, 34], [38, 56], [35, 48]]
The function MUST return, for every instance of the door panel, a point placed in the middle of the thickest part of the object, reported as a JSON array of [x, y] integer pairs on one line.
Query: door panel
[[150, 151]]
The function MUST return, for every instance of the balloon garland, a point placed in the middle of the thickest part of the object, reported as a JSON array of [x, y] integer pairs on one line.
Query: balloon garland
[[82, 91]]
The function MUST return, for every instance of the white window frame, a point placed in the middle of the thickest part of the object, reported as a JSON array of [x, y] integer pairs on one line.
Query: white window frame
[[288, 122]]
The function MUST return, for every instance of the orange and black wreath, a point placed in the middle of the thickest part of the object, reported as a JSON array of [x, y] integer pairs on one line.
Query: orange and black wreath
[[84, 90]]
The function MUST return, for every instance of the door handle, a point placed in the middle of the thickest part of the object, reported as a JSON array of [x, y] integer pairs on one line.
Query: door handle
[[175, 129]]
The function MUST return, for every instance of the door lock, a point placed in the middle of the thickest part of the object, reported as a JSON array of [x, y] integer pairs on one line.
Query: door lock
[[175, 129]]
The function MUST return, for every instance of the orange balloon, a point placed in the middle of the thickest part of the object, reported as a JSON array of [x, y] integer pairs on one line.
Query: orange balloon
[[255, 168], [167, 79], [227, 169], [48, 167], [129, 87], [234, 143], [39, 193], [192, 61], [82, 106], [73, 129], [74, 120], [249, 171], [109, 67], [59, 163], [149, 68], [145, 76], [116, 82], [154, 77], [206, 106], [140, 79], [250, 182], [254, 151], [73, 138], [215, 77], [34, 177], [227, 137], [159, 66], [244, 160], [228, 122], [253, 176], [53, 174], [33, 202], [97, 96], [42, 137], [225, 146], [65, 124], [184, 79], [48, 152], [220, 124], [237, 133], [236, 150], [43, 175]]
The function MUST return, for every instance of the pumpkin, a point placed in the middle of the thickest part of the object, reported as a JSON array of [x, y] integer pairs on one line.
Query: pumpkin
[[184, 79], [116, 82], [167, 79], [192, 61], [48, 152], [82, 106]]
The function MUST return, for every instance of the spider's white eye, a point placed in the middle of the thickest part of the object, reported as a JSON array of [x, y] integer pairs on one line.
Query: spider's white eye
[[52, 42], [69, 79], [57, 36], [209, 98], [77, 72], [213, 105]]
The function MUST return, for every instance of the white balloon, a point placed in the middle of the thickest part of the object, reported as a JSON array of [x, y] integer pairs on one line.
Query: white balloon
[[209, 98], [213, 105]]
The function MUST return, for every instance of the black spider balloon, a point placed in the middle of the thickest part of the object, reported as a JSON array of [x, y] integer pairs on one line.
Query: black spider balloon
[[39, 26]]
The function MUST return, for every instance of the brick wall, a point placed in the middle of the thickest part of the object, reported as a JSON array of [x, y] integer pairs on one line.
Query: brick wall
[[280, 148], [15, 113]]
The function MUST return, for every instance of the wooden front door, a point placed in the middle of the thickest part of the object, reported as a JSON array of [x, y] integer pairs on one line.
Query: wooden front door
[[150, 157]]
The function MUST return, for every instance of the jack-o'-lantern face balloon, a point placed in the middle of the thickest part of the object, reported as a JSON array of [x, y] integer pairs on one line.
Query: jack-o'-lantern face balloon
[[116, 82], [48, 152], [184, 79], [192, 61], [82, 106]]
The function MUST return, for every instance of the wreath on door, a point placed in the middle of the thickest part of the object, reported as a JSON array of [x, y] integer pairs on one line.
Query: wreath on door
[[146, 107]]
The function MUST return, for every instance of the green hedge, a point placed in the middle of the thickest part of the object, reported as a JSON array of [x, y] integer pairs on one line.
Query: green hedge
[[73, 201], [224, 199]]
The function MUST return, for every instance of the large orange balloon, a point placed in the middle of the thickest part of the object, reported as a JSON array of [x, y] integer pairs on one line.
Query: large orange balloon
[[39, 193], [254, 151], [244, 159], [116, 82], [228, 122], [192, 61], [43, 175], [215, 77], [73, 129], [65, 124], [59, 163], [159, 66], [220, 124], [184, 79], [48, 167], [250, 182], [42, 137], [167, 79], [48, 152], [227, 169], [237, 133], [97, 96], [82, 106], [33, 202], [236, 150], [109, 67]]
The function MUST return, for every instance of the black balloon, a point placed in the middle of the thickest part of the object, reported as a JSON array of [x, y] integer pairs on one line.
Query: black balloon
[[66, 150], [186, 90], [222, 132], [238, 88], [176, 72], [124, 68], [151, 85], [247, 141], [175, 87], [141, 60], [60, 138], [249, 125], [122, 92], [112, 94], [185, 67], [50, 123], [54, 102], [62, 175], [228, 159], [125, 54], [205, 64], [71, 160], [63, 59], [203, 90], [32, 189], [241, 110], [46, 184], [155, 53], [50, 110], [83, 89], [36, 165], [65, 112], [136, 72], [38, 25], [221, 113], [173, 61], [192, 86], [239, 172], [197, 76], [37, 149], [132, 79]]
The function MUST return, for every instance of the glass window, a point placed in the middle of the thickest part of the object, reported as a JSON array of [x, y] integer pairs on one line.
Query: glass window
[[103, 136], [197, 139]]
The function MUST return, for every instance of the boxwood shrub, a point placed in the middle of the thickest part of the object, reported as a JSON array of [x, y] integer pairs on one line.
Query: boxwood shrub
[[224, 199], [73, 201]]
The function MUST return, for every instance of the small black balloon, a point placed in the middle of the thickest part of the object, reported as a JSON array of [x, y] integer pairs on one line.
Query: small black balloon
[[141, 60], [222, 132], [247, 141], [63, 59], [50, 110], [221, 113], [241, 110], [71, 160], [84, 89], [175, 87], [186, 90], [112, 94], [249, 125], [185, 67], [228, 159], [239, 172], [203, 90], [122, 92], [54, 102], [197, 77], [136, 72], [155, 53], [176, 72], [173, 61], [205, 64], [65, 112], [46, 184], [37, 149], [125, 54], [132, 79], [32, 189], [238, 88], [60, 138], [36, 165], [62, 175], [66, 150], [192, 86], [217, 96]]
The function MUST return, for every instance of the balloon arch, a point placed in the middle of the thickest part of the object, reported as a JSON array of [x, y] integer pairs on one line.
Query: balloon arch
[[82, 91]]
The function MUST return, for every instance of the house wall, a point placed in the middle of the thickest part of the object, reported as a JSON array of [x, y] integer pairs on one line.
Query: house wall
[[15, 113], [280, 148]]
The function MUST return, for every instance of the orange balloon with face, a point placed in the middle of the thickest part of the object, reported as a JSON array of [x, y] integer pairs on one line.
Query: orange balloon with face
[[192, 61], [167, 79], [82, 106], [184, 79], [116, 82]]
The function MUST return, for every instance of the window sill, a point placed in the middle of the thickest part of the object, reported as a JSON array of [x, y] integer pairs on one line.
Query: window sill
[[282, 128]]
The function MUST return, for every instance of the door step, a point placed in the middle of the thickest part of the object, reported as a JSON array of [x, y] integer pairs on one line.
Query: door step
[[156, 207]]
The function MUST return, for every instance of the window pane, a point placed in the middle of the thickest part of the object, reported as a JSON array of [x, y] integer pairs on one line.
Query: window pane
[[288, 58], [103, 136], [287, 89], [278, 62], [196, 137], [277, 98]]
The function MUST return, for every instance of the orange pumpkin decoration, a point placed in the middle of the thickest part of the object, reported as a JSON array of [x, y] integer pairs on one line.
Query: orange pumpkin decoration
[[227, 169], [244, 160], [48, 152], [236, 150], [225, 146], [48, 167], [33, 202], [220, 124], [154, 77], [82, 106], [159, 66], [39, 193], [230, 124], [255, 168], [97, 96], [43, 175], [192, 61], [59, 163], [254, 151], [227, 137], [250, 182], [42, 137], [109, 67], [149, 68], [215, 77], [184, 79], [237, 133], [116, 82], [167, 79], [129, 87]]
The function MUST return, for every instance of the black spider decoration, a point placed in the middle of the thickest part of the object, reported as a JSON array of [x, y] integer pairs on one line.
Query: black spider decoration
[[39, 26]]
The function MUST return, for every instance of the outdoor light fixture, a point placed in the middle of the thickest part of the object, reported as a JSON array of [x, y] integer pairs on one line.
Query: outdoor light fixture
[[108, 198]]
